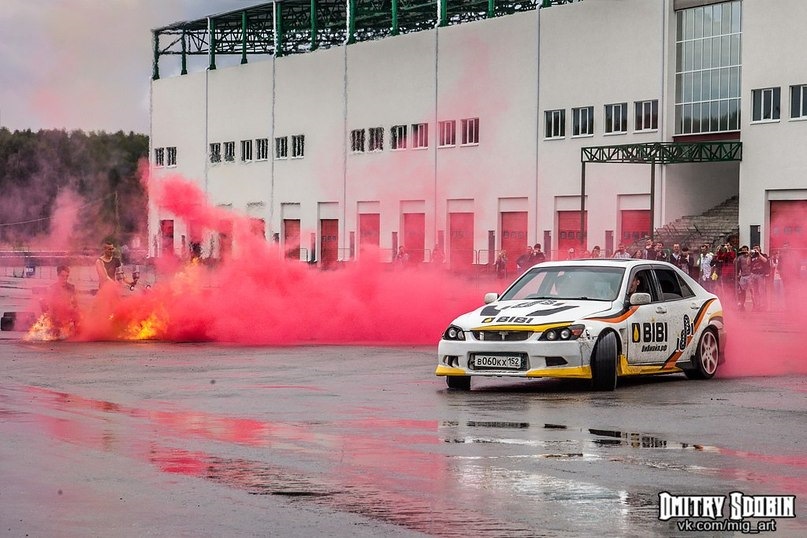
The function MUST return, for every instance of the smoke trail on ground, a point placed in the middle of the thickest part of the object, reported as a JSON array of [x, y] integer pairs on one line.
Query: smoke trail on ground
[[256, 296], [769, 343]]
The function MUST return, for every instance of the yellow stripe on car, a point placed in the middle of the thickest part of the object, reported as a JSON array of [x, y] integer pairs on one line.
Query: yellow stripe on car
[[533, 328]]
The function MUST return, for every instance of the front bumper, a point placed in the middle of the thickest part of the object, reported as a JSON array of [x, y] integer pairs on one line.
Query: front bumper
[[540, 358]]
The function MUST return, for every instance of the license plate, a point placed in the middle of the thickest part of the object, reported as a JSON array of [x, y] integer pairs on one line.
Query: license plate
[[498, 362]]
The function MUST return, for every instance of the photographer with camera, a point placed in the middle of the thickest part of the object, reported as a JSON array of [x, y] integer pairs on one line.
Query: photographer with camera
[[725, 264], [760, 268]]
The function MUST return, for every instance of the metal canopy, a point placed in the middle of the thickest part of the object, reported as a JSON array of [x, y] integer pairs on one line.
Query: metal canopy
[[654, 153], [664, 153], [287, 27]]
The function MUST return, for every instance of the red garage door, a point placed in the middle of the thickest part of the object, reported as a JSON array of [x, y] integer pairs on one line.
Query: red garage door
[[635, 224], [329, 242], [461, 241], [369, 230], [788, 224], [569, 234], [291, 238], [514, 237], [414, 236]]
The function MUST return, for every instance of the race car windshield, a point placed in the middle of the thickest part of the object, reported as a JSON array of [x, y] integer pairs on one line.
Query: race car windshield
[[581, 283]]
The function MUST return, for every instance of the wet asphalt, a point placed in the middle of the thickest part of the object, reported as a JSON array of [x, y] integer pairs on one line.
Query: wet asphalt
[[160, 439]]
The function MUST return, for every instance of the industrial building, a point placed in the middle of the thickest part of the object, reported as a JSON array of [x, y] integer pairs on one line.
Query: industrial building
[[474, 126]]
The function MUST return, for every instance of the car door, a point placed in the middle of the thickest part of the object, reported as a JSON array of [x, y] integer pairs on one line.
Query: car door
[[679, 317], [649, 338]]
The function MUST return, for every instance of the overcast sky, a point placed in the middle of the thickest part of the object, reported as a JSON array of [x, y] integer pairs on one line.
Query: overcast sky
[[85, 64]]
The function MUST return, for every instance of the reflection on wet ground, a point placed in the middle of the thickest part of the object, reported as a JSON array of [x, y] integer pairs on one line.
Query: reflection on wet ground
[[447, 478]]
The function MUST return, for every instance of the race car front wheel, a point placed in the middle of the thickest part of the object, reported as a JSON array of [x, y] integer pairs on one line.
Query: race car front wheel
[[706, 357], [603, 363], [456, 382]]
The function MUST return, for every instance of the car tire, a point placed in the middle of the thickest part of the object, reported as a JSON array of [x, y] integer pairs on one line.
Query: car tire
[[603, 363], [456, 382], [706, 356]]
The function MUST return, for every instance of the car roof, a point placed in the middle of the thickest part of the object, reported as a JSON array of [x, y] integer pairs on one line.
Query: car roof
[[605, 262]]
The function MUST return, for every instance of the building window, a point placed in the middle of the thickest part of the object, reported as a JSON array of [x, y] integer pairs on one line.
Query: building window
[[229, 152], [298, 146], [616, 118], [448, 133], [798, 101], [646, 115], [357, 140], [583, 121], [398, 137], [246, 150], [376, 139], [470, 131], [281, 147], [707, 69], [765, 104], [215, 152], [159, 157], [171, 156], [263, 148], [555, 123], [420, 135]]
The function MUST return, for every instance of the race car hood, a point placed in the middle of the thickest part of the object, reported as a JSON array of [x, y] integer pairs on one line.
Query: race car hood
[[530, 313]]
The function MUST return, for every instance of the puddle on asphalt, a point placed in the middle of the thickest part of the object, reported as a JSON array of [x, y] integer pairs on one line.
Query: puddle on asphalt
[[602, 438], [378, 468]]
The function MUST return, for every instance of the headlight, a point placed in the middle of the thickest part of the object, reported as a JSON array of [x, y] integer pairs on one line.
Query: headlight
[[454, 333], [571, 332]]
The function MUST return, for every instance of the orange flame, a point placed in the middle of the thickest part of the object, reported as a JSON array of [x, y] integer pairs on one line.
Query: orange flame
[[151, 328], [46, 330]]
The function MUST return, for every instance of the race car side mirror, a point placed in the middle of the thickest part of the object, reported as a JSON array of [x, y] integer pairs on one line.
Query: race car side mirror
[[492, 297], [640, 299]]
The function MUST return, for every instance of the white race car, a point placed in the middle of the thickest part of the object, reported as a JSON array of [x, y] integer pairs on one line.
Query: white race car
[[588, 319]]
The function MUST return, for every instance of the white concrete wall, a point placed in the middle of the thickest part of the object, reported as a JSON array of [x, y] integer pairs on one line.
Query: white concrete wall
[[240, 108], [309, 100], [390, 82], [586, 60], [178, 119], [488, 70], [774, 156]]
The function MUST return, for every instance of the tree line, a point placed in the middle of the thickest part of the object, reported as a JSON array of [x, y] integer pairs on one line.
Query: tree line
[[96, 171]]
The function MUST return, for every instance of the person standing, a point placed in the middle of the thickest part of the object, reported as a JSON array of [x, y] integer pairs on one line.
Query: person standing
[[621, 253], [649, 252], [742, 273], [501, 265], [61, 304], [725, 261], [523, 261], [437, 255], [707, 269], [109, 267], [401, 257], [661, 253], [675, 255], [537, 255], [760, 267]]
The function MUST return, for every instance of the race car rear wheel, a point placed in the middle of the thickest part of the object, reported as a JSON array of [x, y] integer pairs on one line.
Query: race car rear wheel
[[603, 363], [456, 382], [706, 357]]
